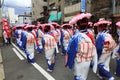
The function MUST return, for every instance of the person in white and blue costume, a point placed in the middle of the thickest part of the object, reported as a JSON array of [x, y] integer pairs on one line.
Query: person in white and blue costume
[[117, 51], [65, 37], [104, 44], [28, 44], [81, 51], [49, 45], [5, 36], [23, 34], [39, 35], [57, 32], [17, 35]]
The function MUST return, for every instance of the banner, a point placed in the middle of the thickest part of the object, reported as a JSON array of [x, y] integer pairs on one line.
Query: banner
[[83, 5], [5, 24]]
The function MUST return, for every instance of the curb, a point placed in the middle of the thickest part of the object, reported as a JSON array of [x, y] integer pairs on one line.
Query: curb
[[2, 76]]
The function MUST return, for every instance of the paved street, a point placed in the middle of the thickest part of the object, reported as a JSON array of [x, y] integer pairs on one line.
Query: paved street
[[2, 76], [16, 69], [76, 24]]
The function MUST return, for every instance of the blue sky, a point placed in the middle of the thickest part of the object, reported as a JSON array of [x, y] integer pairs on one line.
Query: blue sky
[[20, 6]]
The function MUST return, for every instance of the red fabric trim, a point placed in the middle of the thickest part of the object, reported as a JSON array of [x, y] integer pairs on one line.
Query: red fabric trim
[[35, 38]]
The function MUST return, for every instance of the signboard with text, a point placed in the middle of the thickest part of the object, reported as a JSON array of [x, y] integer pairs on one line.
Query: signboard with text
[[83, 5]]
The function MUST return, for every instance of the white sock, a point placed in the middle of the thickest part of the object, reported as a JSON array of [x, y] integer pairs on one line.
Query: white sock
[[112, 78]]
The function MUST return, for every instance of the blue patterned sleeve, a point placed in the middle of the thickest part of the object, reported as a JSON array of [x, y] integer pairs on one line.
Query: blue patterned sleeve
[[43, 41], [24, 40]]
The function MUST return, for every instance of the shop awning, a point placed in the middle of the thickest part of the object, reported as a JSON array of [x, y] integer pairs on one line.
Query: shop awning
[[55, 17]]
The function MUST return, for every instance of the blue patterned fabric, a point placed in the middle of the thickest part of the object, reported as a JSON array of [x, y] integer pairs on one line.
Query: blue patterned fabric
[[72, 49], [118, 67], [100, 45], [61, 39]]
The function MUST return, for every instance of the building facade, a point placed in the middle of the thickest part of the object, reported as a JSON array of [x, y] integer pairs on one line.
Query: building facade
[[116, 9], [56, 9], [38, 9], [11, 15], [101, 9], [69, 8], [115, 16], [24, 19]]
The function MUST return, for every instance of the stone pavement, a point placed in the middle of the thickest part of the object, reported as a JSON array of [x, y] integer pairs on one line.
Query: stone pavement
[[2, 76]]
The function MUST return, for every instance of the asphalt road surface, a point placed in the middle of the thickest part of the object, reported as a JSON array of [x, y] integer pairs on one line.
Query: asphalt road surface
[[17, 68]]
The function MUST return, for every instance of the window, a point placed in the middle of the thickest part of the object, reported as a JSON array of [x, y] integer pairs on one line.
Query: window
[[33, 4], [71, 2], [67, 2], [52, 5], [75, 1], [59, 8], [30, 13], [33, 13], [117, 6], [45, 0], [45, 7]]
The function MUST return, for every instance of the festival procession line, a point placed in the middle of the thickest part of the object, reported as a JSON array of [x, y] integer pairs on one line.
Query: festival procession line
[[39, 68]]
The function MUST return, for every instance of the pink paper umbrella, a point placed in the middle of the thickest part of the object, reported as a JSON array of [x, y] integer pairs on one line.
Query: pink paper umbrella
[[66, 25], [104, 22], [54, 23], [90, 23], [51, 26], [74, 19], [84, 15], [28, 26], [95, 24], [79, 17], [118, 24]]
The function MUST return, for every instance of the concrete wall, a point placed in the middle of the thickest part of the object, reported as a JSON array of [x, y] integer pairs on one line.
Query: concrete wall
[[72, 8], [37, 8], [101, 8], [70, 11]]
